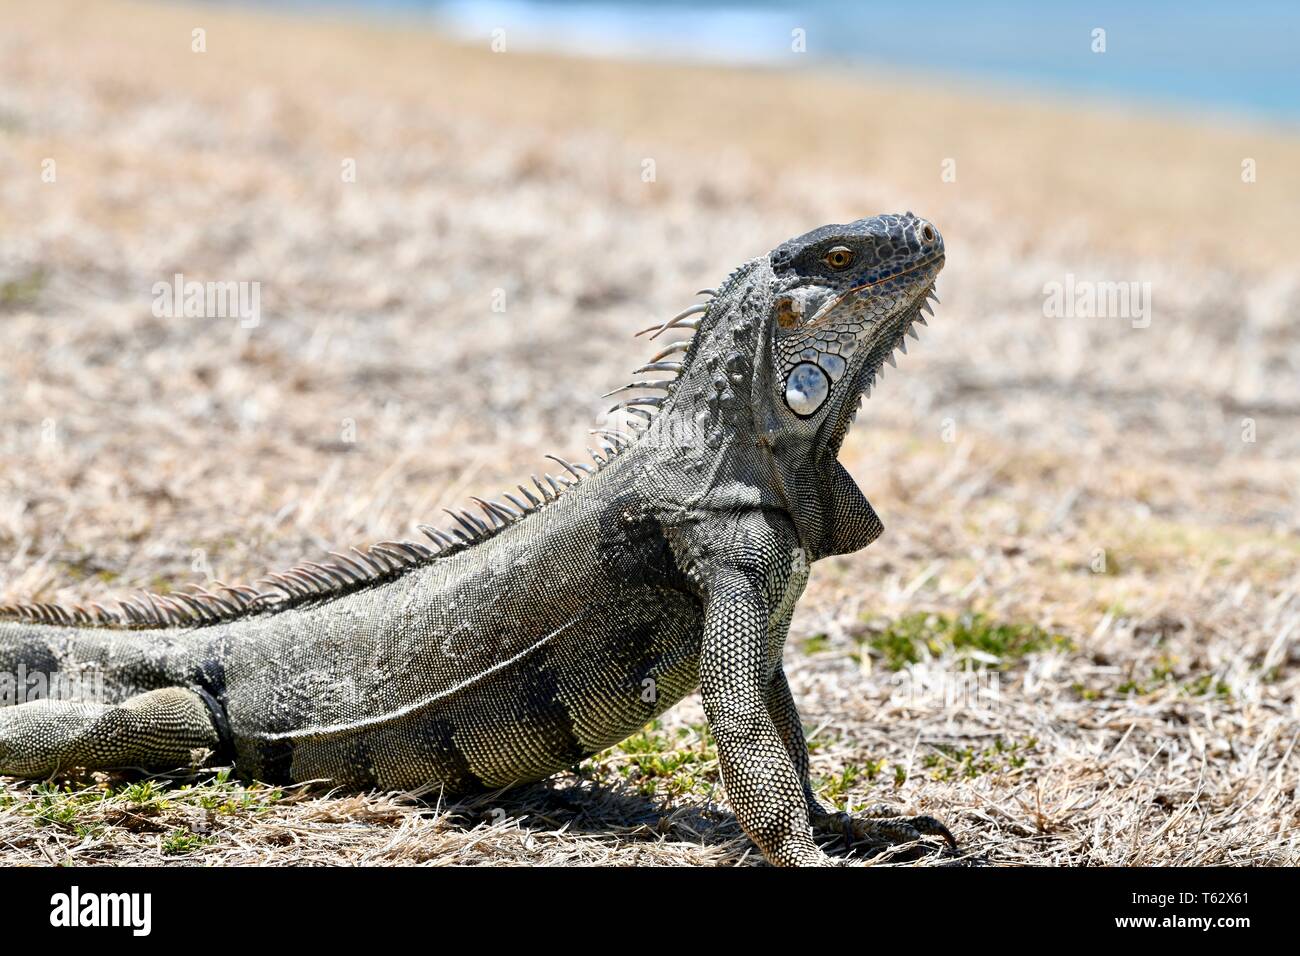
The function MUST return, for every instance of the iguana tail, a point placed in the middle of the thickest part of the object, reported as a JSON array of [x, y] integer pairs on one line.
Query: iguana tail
[[98, 664]]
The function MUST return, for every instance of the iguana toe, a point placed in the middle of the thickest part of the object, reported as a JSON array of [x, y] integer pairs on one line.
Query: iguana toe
[[884, 826], [929, 826]]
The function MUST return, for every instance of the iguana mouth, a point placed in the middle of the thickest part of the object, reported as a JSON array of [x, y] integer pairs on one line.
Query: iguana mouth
[[891, 337]]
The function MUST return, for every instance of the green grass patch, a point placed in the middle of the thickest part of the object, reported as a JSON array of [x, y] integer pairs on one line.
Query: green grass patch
[[22, 292], [967, 763], [1207, 685], [1164, 673], [910, 639], [836, 788], [1087, 693], [225, 796], [817, 644], [182, 842], [150, 805], [655, 761], [61, 806]]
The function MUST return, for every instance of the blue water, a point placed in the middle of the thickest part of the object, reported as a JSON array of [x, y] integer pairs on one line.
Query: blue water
[[1236, 58]]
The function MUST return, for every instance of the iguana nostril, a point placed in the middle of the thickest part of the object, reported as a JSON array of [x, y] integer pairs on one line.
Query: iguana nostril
[[927, 233]]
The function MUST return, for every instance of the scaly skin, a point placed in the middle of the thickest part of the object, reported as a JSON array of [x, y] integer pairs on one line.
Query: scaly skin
[[557, 627]]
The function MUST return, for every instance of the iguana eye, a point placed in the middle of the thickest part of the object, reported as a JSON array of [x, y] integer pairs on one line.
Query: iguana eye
[[841, 257]]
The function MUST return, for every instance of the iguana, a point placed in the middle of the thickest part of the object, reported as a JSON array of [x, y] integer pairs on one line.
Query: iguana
[[557, 620]]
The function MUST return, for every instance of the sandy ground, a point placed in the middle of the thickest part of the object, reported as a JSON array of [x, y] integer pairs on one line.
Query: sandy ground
[[1077, 640]]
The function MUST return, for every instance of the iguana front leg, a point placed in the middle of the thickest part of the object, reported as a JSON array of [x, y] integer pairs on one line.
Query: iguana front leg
[[763, 786], [879, 824]]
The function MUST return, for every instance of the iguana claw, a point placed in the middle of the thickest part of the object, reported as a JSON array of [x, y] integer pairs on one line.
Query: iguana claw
[[882, 825]]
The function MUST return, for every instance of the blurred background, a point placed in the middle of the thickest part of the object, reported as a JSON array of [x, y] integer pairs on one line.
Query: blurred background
[[453, 217], [1169, 54]]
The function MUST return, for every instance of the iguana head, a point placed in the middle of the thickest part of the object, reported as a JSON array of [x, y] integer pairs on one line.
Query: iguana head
[[783, 353], [844, 298]]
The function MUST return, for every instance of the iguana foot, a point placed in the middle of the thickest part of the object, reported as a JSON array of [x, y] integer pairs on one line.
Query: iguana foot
[[881, 826], [156, 729]]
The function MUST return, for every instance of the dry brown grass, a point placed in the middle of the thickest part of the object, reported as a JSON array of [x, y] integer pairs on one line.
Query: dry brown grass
[[1007, 453]]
